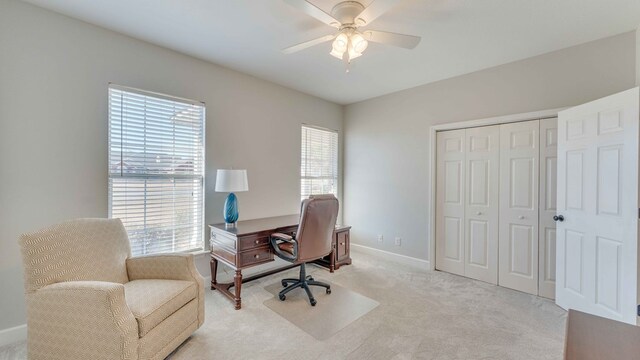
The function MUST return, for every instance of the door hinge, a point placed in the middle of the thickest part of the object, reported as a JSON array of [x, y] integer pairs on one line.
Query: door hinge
[[638, 310]]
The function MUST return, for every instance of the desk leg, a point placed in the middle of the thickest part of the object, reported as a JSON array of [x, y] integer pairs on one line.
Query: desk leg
[[332, 260], [237, 284], [214, 272]]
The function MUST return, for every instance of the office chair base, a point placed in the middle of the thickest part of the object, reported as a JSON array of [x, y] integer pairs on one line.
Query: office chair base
[[304, 282]]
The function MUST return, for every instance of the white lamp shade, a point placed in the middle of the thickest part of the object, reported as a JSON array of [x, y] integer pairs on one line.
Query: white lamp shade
[[231, 180]]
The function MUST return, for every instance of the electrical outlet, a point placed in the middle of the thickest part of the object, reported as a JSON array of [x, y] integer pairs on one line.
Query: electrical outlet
[[398, 241], [380, 238]]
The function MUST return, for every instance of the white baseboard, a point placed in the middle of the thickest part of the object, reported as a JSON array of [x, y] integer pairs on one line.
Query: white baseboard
[[403, 259], [14, 334]]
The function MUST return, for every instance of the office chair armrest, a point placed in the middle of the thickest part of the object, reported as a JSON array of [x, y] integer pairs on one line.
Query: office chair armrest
[[281, 236], [275, 237]]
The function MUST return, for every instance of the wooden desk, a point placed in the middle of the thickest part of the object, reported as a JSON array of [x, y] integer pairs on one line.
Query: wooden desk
[[591, 337], [247, 244]]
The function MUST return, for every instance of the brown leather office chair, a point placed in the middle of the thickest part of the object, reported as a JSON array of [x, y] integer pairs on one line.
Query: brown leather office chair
[[312, 241]]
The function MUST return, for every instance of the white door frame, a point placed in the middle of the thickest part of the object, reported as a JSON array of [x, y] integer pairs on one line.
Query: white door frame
[[535, 115]]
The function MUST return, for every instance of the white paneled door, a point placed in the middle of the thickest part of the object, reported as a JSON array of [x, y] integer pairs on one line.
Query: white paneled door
[[481, 210], [518, 242], [547, 203], [597, 227], [450, 201]]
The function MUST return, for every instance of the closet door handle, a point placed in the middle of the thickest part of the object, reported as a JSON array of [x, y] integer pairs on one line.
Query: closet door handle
[[479, 213], [558, 218], [520, 217]]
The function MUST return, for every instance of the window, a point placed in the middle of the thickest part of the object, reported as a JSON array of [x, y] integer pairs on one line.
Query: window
[[156, 167], [319, 163]]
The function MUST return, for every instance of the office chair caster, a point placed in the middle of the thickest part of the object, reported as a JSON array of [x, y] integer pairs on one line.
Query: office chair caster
[[313, 302], [282, 297], [284, 283], [328, 291]]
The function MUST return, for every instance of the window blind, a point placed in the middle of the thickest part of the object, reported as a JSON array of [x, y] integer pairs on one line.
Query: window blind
[[156, 170], [319, 163]]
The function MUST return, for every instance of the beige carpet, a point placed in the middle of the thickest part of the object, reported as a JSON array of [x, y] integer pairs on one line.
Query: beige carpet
[[422, 315], [332, 313]]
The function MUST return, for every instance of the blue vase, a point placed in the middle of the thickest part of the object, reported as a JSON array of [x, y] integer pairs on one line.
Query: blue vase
[[231, 209]]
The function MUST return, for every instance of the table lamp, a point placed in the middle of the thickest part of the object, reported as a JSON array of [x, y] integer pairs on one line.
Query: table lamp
[[231, 181]]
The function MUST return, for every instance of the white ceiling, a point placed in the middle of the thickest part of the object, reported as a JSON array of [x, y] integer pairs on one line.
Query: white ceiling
[[458, 36]]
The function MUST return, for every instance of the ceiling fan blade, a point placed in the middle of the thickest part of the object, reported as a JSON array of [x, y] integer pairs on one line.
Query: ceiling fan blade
[[387, 38], [314, 11], [377, 8], [307, 44]]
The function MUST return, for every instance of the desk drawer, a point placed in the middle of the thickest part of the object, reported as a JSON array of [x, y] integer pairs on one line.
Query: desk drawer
[[252, 241], [221, 253], [255, 256], [342, 245], [225, 241]]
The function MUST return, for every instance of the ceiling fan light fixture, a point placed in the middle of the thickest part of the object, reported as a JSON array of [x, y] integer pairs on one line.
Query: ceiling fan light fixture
[[336, 54], [353, 54], [341, 42], [359, 43], [339, 46]]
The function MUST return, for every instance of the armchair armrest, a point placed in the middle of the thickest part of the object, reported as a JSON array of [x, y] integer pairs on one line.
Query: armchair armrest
[[168, 267], [164, 266], [278, 238], [82, 320]]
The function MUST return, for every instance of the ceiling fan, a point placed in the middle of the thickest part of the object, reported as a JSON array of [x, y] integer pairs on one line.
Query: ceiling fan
[[348, 16]]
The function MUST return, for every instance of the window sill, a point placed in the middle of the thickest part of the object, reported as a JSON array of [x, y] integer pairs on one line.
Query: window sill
[[199, 252]]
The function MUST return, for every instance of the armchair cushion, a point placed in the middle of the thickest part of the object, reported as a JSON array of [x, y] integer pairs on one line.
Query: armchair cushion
[[152, 301], [169, 267]]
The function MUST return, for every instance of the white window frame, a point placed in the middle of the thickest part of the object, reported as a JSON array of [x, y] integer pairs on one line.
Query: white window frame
[[202, 246], [337, 159]]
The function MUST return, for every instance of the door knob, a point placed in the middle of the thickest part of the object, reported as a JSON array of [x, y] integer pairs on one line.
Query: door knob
[[558, 218], [520, 217], [479, 213]]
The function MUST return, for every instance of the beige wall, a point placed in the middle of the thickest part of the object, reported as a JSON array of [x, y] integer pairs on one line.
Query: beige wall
[[54, 73], [638, 57], [386, 154]]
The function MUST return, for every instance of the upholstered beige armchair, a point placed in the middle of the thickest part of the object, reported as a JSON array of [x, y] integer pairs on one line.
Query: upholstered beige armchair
[[87, 298]]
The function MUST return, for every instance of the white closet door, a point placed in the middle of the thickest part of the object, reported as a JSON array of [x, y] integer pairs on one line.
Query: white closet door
[[518, 243], [450, 200], [481, 211], [547, 228], [597, 247]]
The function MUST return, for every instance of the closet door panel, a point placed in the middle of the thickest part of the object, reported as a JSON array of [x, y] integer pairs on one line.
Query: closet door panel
[[481, 210], [518, 234], [450, 200], [547, 227]]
